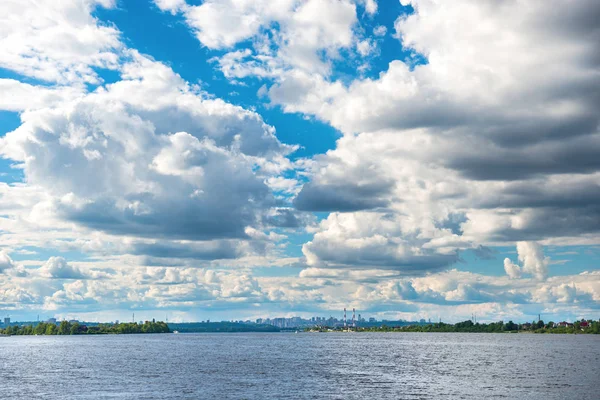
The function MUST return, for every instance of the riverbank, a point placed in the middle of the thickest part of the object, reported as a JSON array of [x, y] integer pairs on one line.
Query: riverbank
[[75, 328], [539, 327]]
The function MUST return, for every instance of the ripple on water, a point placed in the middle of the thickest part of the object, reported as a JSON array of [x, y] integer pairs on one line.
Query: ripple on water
[[259, 366]]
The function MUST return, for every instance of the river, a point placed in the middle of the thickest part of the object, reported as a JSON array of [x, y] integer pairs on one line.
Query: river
[[303, 365]]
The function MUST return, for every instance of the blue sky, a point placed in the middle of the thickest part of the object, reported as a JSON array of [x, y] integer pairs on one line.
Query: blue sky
[[233, 159]]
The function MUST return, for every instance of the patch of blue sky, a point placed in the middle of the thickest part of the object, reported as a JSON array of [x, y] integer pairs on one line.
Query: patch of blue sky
[[107, 77], [388, 47], [564, 260], [569, 260], [491, 264], [9, 121], [167, 39]]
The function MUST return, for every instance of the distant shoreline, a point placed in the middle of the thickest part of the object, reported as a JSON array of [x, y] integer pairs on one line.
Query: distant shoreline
[[579, 327], [75, 328]]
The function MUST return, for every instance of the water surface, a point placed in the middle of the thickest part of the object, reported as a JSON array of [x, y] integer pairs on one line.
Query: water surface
[[304, 365]]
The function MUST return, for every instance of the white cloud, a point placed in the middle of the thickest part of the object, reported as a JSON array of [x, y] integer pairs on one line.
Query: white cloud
[[512, 270], [376, 240], [477, 132], [221, 24], [121, 172], [5, 262], [172, 6], [181, 166], [288, 34], [365, 47], [379, 30], [58, 268], [369, 5], [532, 256], [18, 96], [56, 41], [176, 192]]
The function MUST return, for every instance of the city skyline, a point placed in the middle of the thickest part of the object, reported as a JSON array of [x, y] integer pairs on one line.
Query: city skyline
[[240, 159]]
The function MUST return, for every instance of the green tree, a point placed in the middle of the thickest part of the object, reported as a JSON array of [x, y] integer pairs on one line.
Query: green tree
[[64, 328], [540, 324], [74, 330], [50, 329], [40, 329], [510, 326]]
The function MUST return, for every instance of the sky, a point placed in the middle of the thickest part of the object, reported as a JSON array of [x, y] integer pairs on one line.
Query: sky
[[237, 159]]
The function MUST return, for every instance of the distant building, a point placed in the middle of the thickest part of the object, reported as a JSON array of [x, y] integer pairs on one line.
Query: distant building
[[7, 321], [51, 320], [565, 324]]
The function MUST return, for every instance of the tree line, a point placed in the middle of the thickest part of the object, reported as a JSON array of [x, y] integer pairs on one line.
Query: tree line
[[583, 326], [75, 328]]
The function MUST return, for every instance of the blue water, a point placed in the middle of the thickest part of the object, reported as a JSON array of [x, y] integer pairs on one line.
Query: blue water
[[304, 365]]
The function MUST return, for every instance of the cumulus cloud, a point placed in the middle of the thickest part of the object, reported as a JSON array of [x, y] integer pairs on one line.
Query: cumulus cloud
[[5, 262], [57, 42], [58, 268], [376, 240], [182, 167], [179, 193], [185, 175], [512, 270], [471, 144], [18, 96], [173, 6], [497, 143], [531, 256], [303, 34]]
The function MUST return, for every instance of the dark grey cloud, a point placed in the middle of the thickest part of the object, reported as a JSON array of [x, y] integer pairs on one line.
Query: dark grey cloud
[[214, 250], [343, 197], [174, 219], [546, 223], [453, 222], [485, 162], [286, 218], [569, 192]]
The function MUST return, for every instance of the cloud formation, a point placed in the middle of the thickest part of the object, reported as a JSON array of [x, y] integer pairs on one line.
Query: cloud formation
[[57, 42], [464, 126], [532, 259]]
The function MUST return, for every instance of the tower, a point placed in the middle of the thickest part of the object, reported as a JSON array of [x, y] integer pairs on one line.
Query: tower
[[353, 318], [345, 318]]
